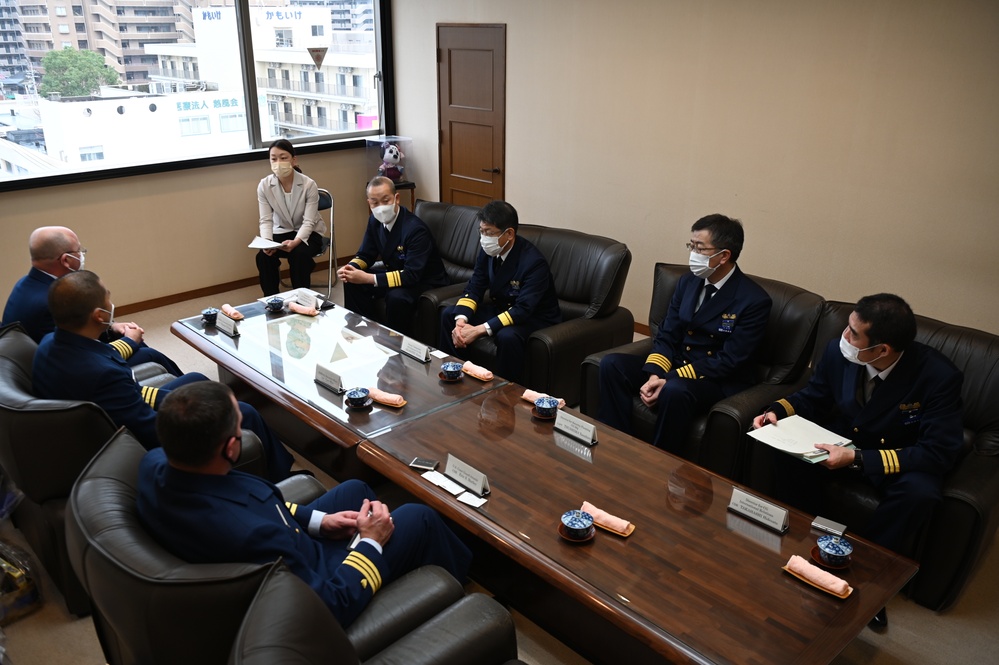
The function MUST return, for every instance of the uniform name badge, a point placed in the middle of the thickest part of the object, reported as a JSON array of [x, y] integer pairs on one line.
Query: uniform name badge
[[727, 323]]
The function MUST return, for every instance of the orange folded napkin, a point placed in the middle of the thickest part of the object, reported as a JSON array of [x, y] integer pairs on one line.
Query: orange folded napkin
[[816, 576], [532, 396], [605, 520], [232, 312], [388, 399], [480, 373], [302, 309]]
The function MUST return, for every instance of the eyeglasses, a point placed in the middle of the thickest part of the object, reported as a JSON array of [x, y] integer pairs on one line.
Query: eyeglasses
[[700, 249], [82, 250]]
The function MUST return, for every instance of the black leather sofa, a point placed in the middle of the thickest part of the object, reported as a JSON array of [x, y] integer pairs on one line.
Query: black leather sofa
[[589, 271], [964, 524], [44, 444], [715, 440], [151, 607]]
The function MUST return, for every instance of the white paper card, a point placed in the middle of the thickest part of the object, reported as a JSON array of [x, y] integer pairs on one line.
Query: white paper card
[[437, 353], [758, 510], [226, 325], [262, 243], [442, 481], [472, 500], [307, 298], [328, 378], [576, 427], [414, 349], [466, 475]]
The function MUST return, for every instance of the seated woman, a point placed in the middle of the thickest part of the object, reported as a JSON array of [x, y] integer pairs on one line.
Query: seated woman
[[289, 214]]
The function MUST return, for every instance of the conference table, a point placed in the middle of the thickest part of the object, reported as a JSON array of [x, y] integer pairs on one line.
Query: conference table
[[694, 582]]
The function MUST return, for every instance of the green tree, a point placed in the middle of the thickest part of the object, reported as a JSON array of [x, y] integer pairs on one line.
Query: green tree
[[75, 73]]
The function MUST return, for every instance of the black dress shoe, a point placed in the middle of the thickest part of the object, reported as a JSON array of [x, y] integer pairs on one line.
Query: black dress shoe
[[880, 620]]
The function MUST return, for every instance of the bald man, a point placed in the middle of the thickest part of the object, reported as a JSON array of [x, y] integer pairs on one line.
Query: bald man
[[56, 251]]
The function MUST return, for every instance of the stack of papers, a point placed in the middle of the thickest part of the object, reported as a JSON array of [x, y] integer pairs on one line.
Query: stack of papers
[[797, 436]]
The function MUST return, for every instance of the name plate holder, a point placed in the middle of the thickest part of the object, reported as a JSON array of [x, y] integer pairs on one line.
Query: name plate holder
[[415, 350], [756, 509], [329, 379], [575, 427], [466, 475], [307, 298], [226, 325]]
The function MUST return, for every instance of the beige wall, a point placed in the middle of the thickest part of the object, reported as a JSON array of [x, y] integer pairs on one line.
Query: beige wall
[[157, 235], [856, 140]]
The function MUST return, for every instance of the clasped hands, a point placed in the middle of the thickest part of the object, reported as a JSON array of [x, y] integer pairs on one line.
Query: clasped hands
[[464, 333], [351, 274], [372, 521], [128, 329], [839, 456]]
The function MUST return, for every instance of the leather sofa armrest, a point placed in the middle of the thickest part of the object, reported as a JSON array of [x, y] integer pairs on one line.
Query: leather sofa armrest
[[301, 489], [589, 391], [152, 375], [427, 321], [554, 354], [252, 458], [401, 607], [724, 447], [477, 629]]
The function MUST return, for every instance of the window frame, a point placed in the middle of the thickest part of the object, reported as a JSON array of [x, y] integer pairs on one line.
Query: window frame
[[386, 91]]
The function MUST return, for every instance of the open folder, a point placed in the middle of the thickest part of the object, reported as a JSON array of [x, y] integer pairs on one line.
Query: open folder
[[797, 436]]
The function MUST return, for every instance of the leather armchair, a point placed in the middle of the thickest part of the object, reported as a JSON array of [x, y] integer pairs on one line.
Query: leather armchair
[[716, 439], [287, 623], [35, 433], [964, 524], [589, 272]]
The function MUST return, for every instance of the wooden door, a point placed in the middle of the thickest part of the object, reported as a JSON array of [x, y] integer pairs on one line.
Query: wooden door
[[471, 103]]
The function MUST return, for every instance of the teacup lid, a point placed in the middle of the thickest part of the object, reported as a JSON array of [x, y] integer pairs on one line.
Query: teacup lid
[[835, 545]]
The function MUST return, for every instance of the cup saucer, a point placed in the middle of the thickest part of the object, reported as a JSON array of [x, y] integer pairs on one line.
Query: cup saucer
[[534, 412], [564, 534], [366, 404], [443, 378]]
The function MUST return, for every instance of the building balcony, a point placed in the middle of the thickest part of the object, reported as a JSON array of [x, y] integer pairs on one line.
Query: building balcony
[[327, 91], [309, 124]]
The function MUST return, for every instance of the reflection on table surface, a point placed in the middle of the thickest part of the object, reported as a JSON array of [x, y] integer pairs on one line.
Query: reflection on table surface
[[692, 572], [286, 348]]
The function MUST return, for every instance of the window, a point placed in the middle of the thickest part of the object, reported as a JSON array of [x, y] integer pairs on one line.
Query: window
[[195, 126], [63, 29], [91, 153], [232, 122], [217, 98], [60, 11]]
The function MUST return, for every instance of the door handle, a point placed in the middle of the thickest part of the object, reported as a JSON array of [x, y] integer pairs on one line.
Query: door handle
[[493, 170]]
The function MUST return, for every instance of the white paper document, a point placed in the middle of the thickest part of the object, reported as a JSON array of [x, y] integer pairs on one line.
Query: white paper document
[[263, 243], [797, 436], [442, 481]]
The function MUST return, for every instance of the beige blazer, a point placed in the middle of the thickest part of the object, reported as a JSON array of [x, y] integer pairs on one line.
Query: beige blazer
[[302, 215]]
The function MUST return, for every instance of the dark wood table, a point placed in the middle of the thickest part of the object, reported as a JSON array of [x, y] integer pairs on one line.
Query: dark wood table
[[275, 357], [693, 583]]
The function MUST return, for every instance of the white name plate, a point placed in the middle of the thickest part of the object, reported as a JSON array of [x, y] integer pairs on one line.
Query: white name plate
[[466, 475], [307, 298], [576, 427], [327, 378], [758, 510], [226, 325], [414, 349]]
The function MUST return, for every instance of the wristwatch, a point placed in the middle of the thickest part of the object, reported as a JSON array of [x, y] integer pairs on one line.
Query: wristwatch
[[858, 461]]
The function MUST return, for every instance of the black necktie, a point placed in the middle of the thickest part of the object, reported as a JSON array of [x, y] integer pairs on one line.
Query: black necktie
[[872, 385], [709, 290]]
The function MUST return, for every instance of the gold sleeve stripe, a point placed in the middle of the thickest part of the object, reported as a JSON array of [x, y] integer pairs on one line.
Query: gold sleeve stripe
[[149, 395], [292, 507], [394, 278], [467, 302], [686, 372], [359, 262], [787, 406], [505, 318], [368, 570], [889, 458], [122, 347], [661, 360]]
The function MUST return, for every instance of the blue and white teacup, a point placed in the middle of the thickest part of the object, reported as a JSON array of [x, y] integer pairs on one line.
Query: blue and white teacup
[[210, 315], [835, 550], [275, 304], [451, 370], [546, 406], [357, 397], [578, 524]]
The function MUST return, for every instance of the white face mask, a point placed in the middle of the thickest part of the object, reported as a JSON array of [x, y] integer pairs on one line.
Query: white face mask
[[82, 258], [384, 214], [282, 169], [852, 353], [699, 264], [490, 245], [110, 320]]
